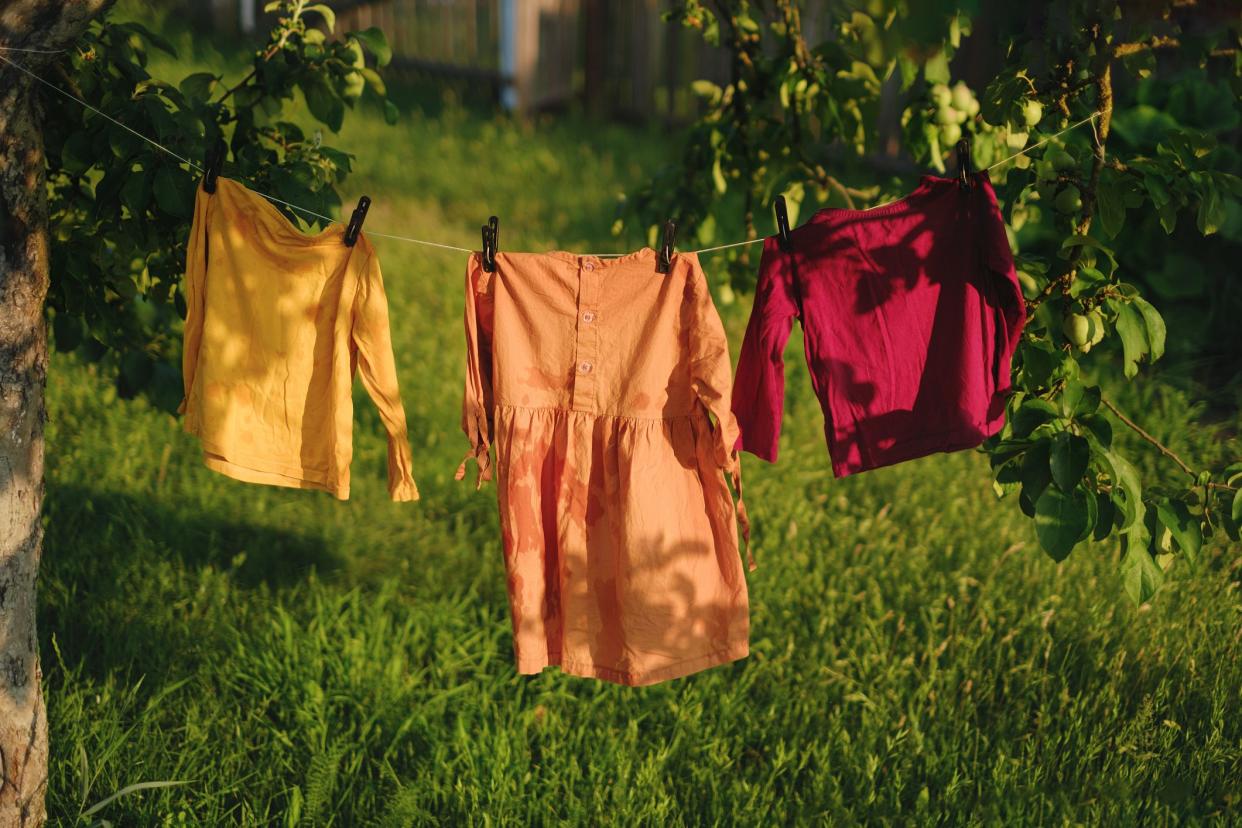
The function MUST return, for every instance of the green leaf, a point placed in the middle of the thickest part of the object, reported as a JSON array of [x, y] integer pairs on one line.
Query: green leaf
[[391, 114], [77, 154], [1106, 516], [1068, 459], [198, 86], [1154, 323], [329, 16], [136, 192], [374, 80], [707, 90], [374, 39], [1133, 332], [1101, 429], [172, 190], [1236, 510], [1183, 526], [1140, 575], [1080, 400], [324, 103], [1032, 414], [1036, 473], [1127, 485], [718, 177], [1211, 213], [1060, 520], [936, 69], [1094, 244], [1087, 280]]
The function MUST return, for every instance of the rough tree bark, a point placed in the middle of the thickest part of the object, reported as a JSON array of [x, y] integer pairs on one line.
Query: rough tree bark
[[30, 25]]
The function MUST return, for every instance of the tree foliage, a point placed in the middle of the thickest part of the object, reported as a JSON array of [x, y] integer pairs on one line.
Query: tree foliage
[[796, 110], [120, 207]]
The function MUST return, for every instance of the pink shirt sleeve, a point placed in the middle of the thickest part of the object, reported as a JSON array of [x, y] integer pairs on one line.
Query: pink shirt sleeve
[[759, 383]]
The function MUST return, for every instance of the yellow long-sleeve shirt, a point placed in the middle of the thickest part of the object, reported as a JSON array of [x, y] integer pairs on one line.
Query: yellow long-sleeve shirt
[[277, 324]]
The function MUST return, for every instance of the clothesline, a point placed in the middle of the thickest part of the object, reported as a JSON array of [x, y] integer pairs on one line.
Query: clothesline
[[424, 242]]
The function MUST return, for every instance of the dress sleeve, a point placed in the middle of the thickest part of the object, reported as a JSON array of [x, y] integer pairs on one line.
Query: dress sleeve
[[1011, 314], [759, 389], [195, 275], [477, 401], [712, 381], [378, 371]]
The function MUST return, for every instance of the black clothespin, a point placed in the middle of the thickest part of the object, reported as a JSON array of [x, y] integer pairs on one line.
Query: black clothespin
[[491, 232], [664, 259], [963, 163], [782, 224], [355, 221], [213, 163]]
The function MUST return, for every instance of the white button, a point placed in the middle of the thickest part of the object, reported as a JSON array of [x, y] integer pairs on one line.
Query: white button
[[588, 266], [588, 317], [584, 367]]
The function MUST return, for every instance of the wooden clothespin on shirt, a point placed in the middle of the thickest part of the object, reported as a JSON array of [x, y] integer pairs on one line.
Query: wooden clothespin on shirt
[[491, 232], [664, 258], [213, 163], [782, 224], [355, 221], [963, 163]]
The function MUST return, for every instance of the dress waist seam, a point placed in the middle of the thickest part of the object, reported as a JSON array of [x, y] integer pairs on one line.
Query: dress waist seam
[[602, 415]]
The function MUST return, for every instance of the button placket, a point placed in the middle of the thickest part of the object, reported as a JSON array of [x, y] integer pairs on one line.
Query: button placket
[[586, 339]]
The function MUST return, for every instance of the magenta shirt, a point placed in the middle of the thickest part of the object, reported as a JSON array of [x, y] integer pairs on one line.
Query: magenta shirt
[[910, 314]]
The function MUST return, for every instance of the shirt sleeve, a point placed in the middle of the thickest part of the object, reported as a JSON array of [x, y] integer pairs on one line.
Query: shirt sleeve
[[195, 274], [710, 375], [378, 371], [477, 401], [712, 381], [759, 388]]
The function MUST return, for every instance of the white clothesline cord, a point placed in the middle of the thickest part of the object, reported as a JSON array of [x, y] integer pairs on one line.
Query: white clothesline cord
[[33, 51], [1039, 144], [424, 242]]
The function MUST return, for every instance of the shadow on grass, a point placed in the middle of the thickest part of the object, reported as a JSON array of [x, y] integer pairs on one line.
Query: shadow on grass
[[106, 525], [149, 587]]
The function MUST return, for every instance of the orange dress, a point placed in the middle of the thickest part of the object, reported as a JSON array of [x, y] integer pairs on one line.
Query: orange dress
[[277, 323], [596, 378]]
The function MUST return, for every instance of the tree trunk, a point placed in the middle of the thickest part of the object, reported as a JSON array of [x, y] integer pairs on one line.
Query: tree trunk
[[43, 25]]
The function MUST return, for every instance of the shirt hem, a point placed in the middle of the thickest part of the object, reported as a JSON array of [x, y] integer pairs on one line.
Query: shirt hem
[[585, 668], [906, 450], [271, 472]]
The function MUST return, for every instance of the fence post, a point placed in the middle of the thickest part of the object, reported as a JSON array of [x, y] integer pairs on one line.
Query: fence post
[[246, 16]]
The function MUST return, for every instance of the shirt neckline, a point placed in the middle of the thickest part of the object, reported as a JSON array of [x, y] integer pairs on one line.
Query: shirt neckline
[[927, 185], [334, 232]]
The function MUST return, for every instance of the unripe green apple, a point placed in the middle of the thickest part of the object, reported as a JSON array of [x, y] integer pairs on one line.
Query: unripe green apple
[[1030, 287], [1061, 160], [1077, 329], [1032, 111], [950, 134], [942, 95], [1016, 140], [1068, 200], [961, 96], [946, 115]]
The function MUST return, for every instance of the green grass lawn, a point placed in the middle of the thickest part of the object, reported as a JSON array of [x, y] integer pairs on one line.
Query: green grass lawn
[[300, 661]]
